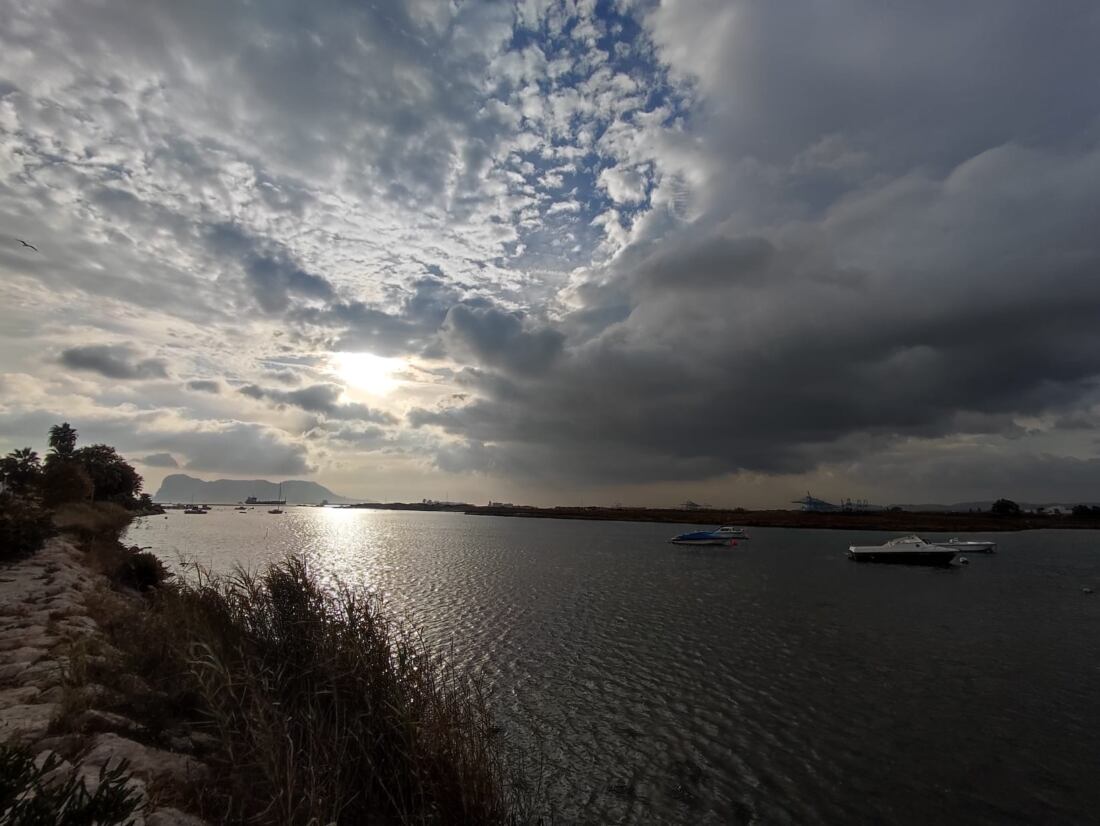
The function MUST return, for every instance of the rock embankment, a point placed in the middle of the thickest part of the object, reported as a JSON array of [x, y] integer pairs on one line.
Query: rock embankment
[[45, 634]]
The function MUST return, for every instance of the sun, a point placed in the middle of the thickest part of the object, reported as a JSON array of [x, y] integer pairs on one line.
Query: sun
[[367, 372]]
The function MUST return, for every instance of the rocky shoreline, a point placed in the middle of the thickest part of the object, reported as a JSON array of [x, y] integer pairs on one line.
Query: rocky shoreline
[[48, 706]]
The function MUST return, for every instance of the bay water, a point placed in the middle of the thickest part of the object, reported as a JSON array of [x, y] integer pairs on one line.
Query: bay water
[[772, 682]]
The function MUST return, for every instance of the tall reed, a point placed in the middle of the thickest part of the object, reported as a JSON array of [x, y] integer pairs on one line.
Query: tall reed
[[322, 709]]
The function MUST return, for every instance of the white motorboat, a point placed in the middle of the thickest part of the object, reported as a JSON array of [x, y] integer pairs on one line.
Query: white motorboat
[[978, 546], [726, 535], [906, 549]]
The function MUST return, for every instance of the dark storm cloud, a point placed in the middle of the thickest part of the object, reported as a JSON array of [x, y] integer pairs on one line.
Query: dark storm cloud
[[204, 386], [274, 281], [883, 287], [709, 263], [319, 398], [502, 339], [159, 460], [915, 84], [877, 322], [412, 326], [272, 277], [115, 361]]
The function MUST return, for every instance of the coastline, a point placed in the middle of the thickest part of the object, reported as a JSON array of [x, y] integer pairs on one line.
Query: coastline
[[101, 684], [899, 521], [50, 644]]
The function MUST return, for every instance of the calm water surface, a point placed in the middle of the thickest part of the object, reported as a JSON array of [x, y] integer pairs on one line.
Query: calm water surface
[[775, 682]]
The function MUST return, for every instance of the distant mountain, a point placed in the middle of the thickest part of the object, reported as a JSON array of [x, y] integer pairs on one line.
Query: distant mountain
[[179, 487]]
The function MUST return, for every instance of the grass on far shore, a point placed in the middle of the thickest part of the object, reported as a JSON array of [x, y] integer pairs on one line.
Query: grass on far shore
[[312, 705]]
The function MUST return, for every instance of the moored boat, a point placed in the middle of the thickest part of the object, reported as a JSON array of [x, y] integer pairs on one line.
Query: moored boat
[[911, 550], [726, 535], [194, 510], [278, 509], [977, 546]]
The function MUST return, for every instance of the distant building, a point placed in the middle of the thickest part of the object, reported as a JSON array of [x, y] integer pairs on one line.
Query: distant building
[[1055, 510], [812, 505]]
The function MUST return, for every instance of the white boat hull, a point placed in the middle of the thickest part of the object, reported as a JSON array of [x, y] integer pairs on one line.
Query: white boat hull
[[907, 550]]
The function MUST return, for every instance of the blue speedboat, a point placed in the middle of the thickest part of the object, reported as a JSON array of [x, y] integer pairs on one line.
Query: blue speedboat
[[726, 535]]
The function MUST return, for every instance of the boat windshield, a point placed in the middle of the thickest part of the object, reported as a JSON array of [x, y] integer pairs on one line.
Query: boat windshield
[[906, 540]]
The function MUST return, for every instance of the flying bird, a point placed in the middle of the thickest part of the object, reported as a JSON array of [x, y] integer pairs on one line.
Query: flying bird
[[25, 244]]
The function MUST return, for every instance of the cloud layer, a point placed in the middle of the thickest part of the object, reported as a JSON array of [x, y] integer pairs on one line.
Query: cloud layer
[[638, 248]]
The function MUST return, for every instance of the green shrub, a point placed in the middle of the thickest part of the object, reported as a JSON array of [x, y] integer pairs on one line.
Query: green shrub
[[140, 570], [24, 526], [28, 797], [62, 482], [89, 521]]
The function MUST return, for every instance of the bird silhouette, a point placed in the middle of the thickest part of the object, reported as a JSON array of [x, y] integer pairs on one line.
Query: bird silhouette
[[25, 244]]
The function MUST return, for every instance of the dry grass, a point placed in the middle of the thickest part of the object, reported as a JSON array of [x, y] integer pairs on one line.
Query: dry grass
[[318, 708]]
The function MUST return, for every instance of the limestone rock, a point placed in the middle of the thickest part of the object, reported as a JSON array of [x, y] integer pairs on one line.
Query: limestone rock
[[98, 696], [92, 720], [18, 696], [64, 744], [145, 761], [53, 694], [26, 654], [172, 817], [44, 674], [26, 723], [12, 672], [34, 635]]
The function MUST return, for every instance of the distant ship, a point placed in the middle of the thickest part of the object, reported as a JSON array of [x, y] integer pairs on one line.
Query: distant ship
[[252, 500]]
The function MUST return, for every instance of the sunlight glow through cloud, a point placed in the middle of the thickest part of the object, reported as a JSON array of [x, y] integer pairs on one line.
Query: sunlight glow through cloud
[[367, 372]]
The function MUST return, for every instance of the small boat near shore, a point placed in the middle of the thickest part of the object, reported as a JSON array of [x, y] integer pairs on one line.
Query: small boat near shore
[[726, 535], [977, 546], [194, 511], [910, 550]]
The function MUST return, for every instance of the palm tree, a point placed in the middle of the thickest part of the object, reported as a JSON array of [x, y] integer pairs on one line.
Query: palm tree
[[62, 440], [19, 469]]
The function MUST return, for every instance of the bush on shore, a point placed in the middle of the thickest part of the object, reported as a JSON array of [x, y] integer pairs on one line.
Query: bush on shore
[[62, 482], [88, 521], [24, 526]]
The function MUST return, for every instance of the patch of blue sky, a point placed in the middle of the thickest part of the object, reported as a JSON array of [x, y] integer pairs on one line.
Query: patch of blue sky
[[564, 170]]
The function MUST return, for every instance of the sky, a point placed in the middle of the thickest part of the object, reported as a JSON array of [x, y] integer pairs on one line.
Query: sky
[[560, 252]]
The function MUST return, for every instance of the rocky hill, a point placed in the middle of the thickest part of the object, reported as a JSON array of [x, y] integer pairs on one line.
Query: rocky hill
[[180, 487]]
